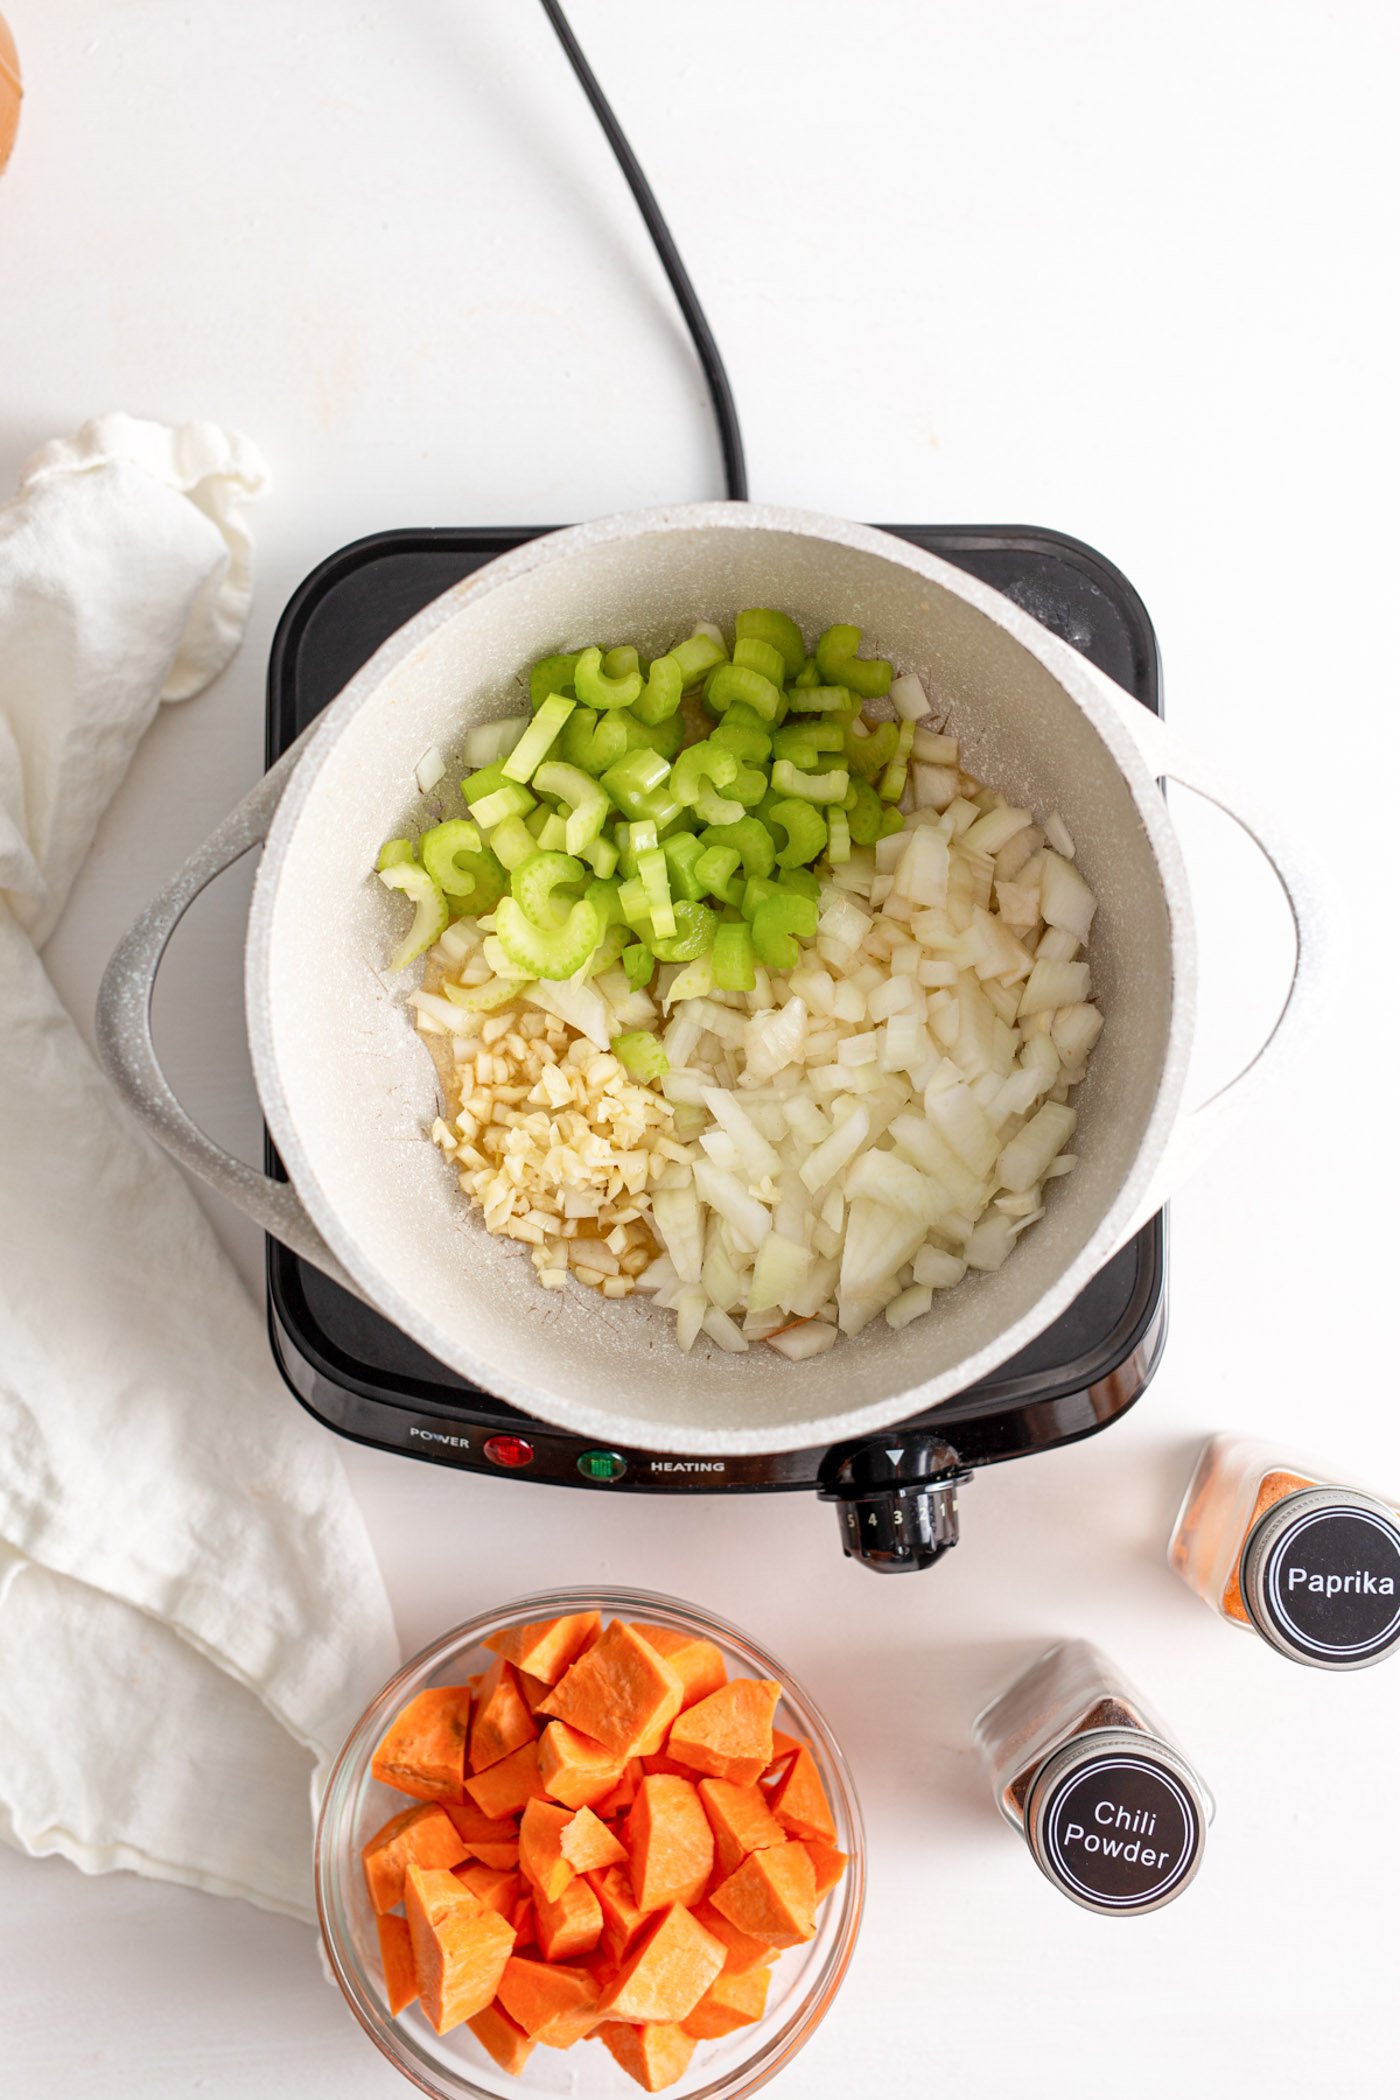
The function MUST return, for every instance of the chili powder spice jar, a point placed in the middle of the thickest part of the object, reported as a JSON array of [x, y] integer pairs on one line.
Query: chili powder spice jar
[[1281, 1549], [1110, 1808]]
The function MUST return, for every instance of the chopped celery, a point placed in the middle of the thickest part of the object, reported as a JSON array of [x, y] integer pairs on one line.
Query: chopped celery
[[695, 930], [751, 840], [430, 912], [732, 957], [784, 635], [640, 1053], [715, 871], [638, 962], [775, 922], [651, 867], [604, 897], [731, 682], [608, 949], [554, 952], [512, 800], [839, 664], [748, 787], [838, 837], [633, 778], [807, 677], [601, 855], [485, 781], [803, 828], [633, 839], [864, 811], [751, 654], [665, 737], [684, 852], [534, 881], [661, 695], [890, 822], [697, 656], [553, 834], [552, 674], [821, 700], [632, 900], [869, 755], [805, 743], [810, 787], [596, 689], [513, 842], [592, 741], [588, 804], [440, 848], [621, 662], [484, 998], [534, 745], [744, 733], [896, 773], [395, 853], [698, 764]]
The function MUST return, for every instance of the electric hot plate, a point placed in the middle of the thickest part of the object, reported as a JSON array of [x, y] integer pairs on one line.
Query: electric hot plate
[[895, 1494]]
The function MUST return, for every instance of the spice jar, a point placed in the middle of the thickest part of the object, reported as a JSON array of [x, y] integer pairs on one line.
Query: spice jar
[[1278, 1547], [1110, 1808]]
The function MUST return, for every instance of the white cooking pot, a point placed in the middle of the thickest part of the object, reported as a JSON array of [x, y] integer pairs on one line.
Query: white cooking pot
[[349, 1089]]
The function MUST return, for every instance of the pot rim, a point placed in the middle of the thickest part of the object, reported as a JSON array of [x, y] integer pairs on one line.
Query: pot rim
[[1070, 670]]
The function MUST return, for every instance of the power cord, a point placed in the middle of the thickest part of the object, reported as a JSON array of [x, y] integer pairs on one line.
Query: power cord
[[736, 479]]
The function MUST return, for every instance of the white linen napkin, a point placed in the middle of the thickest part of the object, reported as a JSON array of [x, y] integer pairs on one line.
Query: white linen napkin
[[190, 1612]]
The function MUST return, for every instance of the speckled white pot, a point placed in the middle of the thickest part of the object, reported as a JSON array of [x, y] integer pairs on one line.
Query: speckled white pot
[[348, 1088]]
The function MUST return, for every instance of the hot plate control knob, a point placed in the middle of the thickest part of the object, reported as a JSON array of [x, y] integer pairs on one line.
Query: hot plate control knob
[[896, 1501]]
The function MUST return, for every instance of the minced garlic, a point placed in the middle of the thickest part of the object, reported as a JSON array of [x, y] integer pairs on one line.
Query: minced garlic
[[559, 1147]]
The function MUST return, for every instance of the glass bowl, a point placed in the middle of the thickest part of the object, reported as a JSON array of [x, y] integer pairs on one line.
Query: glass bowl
[[454, 2066]]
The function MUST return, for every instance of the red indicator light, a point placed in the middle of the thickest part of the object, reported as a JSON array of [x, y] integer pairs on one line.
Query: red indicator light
[[509, 1451]]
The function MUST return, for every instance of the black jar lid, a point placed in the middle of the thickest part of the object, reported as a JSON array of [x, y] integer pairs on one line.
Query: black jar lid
[[1320, 1578], [1117, 1819]]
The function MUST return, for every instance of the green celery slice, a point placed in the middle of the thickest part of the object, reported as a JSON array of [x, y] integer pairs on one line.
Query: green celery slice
[[762, 624], [534, 881], [775, 922], [839, 664], [395, 853], [731, 958], [803, 827], [651, 867], [534, 744], [552, 674], [810, 787], [430, 910], [596, 689], [695, 930], [640, 1054], [554, 952], [661, 695]]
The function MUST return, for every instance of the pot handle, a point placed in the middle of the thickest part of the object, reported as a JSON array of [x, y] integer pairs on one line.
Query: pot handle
[[128, 1051], [1200, 1131]]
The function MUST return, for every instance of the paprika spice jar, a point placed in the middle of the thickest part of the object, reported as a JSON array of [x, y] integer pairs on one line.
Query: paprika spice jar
[[1277, 1547], [1111, 1810]]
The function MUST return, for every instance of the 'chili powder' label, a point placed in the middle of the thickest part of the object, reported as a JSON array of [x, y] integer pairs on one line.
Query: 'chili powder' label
[[1120, 1832]]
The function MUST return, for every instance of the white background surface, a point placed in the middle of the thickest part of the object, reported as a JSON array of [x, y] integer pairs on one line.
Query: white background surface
[[1121, 269]]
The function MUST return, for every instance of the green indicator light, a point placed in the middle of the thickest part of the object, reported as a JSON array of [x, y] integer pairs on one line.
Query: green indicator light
[[602, 1465]]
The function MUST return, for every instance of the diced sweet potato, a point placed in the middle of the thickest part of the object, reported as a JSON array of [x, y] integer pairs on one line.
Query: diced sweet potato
[[574, 1769], [623, 1794], [772, 1896], [588, 1844], [504, 2042], [655, 2055], [546, 1647], [492, 1840], [785, 1748], [501, 1720], [733, 2000], [497, 1887], [658, 1761], [570, 1926], [698, 1663], [730, 1734], [740, 1952], [667, 1973], [523, 1919], [417, 1837], [541, 1861], [623, 1916], [460, 1948], [396, 1953], [799, 1800], [740, 1819], [670, 1846], [554, 2004], [504, 1788], [424, 1750], [828, 1865], [533, 1690], [620, 1692]]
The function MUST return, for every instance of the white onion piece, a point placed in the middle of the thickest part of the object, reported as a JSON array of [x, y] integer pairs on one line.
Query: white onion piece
[[492, 740], [1054, 984], [797, 1344], [429, 770], [747, 1218], [1023, 1162], [1066, 898], [1058, 836], [580, 1005], [908, 698], [909, 1305], [676, 1213]]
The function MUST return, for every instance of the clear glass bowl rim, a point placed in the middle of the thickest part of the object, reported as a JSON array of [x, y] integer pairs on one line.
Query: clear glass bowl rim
[[335, 1856]]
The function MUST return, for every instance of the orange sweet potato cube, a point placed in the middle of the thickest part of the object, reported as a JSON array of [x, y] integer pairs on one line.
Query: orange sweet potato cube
[[533, 1690], [504, 1788], [733, 2000], [588, 1845], [740, 1819], [655, 2055], [541, 1861], [620, 1692], [546, 1647], [698, 1663], [460, 1949], [523, 1919], [418, 1837], [772, 1896], [492, 1840], [785, 1748], [740, 1952], [554, 2004], [623, 1794], [574, 1769], [670, 1846], [667, 1973], [623, 1916], [396, 1954], [658, 1761], [424, 1750], [570, 1926], [497, 1887], [730, 1734], [799, 1800], [501, 1721], [828, 1865], [504, 2042]]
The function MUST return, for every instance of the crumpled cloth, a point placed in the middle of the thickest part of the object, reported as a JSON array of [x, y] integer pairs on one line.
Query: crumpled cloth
[[191, 1616]]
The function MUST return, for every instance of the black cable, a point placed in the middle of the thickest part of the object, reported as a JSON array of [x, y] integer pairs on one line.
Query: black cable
[[736, 479]]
